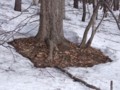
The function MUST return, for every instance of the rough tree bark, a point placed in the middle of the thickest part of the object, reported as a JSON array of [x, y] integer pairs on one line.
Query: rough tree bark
[[63, 9], [17, 6], [51, 24]]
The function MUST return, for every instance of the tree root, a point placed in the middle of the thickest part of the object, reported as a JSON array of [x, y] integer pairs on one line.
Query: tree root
[[52, 46], [51, 49], [77, 79]]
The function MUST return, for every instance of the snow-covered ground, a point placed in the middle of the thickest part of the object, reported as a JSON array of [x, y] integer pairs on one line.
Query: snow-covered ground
[[18, 73]]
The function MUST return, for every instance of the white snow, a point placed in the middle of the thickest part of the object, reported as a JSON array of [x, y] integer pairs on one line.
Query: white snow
[[18, 73]]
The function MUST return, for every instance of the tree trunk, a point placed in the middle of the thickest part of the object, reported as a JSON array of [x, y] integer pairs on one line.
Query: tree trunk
[[35, 2], [17, 6], [76, 4], [118, 2], [83, 43], [63, 9], [51, 24], [84, 10], [94, 32], [116, 5], [119, 18]]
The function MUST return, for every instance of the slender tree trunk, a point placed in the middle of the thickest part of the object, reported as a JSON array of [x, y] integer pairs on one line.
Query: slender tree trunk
[[116, 5], [83, 43], [118, 2], [17, 6], [76, 4], [94, 32], [119, 18], [84, 10], [35, 2]]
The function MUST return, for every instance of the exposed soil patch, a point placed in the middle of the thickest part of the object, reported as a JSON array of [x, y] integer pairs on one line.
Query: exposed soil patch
[[63, 57]]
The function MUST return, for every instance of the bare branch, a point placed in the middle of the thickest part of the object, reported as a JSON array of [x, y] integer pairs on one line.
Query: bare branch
[[77, 79]]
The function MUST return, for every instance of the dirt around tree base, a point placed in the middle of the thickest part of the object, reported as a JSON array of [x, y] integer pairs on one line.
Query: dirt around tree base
[[72, 57]]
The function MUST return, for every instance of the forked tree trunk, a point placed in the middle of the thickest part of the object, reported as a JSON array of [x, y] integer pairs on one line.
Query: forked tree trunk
[[94, 29], [84, 40], [51, 23]]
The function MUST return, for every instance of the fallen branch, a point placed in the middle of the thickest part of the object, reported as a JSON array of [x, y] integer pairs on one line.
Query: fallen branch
[[77, 79]]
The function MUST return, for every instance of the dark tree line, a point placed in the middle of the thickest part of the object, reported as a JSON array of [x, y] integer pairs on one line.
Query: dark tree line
[[113, 4]]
